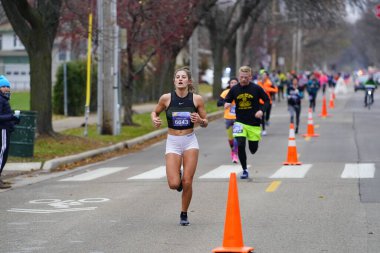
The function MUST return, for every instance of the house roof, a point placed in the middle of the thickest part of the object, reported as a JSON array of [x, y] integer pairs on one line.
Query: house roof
[[6, 27]]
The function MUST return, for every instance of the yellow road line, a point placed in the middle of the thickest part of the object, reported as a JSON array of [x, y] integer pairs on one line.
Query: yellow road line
[[273, 186]]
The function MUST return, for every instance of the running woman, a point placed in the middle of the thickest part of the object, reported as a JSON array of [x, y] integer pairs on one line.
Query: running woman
[[294, 95], [229, 118], [249, 112], [183, 110]]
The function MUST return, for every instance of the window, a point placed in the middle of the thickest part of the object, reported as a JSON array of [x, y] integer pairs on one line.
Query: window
[[62, 55]]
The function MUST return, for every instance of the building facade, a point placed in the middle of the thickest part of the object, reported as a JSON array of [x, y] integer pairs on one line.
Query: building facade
[[14, 60]]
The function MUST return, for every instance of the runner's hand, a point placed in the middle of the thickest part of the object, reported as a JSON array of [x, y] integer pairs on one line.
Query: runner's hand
[[156, 122], [259, 114]]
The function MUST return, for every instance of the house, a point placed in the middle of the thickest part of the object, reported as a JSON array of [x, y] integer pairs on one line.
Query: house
[[14, 60]]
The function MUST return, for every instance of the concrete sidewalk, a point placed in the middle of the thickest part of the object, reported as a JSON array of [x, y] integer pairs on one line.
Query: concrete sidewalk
[[59, 126], [79, 121]]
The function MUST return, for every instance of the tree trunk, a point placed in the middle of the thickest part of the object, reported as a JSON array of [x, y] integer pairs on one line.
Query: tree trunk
[[165, 76], [217, 55], [41, 90], [36, 26], [127, 88]]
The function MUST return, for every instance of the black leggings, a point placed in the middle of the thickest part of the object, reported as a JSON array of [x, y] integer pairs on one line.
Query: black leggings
[[253, 146], [4, 144], [313, 98]]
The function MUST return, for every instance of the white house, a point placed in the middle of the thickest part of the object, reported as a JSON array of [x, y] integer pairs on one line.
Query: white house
[[14, 60]]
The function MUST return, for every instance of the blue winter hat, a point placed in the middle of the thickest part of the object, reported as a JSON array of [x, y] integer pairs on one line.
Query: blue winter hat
[[4, 82]]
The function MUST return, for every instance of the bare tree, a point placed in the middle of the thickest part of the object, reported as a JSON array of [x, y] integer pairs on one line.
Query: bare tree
[[156, 32], [366, 37], [36, 24], [222, 23]]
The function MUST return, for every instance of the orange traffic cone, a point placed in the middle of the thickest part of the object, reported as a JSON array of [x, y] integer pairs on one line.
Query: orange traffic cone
[[292, 149], [331, 104], [324, 108], [233, 236], [333, 95], [310, 126]]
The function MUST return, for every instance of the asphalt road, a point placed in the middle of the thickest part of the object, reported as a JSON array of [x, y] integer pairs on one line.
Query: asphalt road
[[331, 203]]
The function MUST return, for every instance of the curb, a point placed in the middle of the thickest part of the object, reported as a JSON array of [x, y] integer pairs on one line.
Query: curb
[[50, 165]]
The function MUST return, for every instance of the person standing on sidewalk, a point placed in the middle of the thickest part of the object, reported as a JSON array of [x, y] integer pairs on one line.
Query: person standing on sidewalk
[[7, 122], [229, 119], [183, 110], [249, 112]]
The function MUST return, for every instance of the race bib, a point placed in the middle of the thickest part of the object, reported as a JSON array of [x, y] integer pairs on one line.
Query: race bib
[[237, 128], [181, 119], [232, 109]]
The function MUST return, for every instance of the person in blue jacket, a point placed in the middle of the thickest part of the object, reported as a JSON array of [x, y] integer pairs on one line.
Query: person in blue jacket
[[294, 95], [7, 121], [312, 87]]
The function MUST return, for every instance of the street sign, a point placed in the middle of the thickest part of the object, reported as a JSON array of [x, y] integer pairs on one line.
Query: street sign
[[377, 11]]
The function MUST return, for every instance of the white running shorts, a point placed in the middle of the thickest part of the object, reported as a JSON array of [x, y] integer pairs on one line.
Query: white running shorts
[[179, 144]]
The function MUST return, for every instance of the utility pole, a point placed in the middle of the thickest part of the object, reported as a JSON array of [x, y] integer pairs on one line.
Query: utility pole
[[109, 69], [299, 48], [194, 59], [100, 4], [239, 41], [274, 37]]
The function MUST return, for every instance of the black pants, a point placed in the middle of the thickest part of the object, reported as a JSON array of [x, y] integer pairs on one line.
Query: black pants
[[295, 111], [313, 98], [267, 112], [4, 141], [253, 146]]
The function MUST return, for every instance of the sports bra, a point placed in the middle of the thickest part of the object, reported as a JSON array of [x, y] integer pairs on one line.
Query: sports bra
[[179, 110]]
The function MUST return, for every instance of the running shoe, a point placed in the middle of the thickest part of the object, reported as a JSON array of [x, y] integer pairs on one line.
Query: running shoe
[[183, 219], [264, 133], [244, 175], [180, 187], [235, 158]]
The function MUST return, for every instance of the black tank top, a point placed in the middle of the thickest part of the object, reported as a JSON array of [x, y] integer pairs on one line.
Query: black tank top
[[179, 110]]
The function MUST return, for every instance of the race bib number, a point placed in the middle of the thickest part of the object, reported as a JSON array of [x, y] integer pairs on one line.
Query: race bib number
[[181, 119], [232, 109], [237, 128]]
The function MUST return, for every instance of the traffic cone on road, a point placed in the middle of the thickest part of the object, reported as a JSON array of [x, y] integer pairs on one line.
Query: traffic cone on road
[[324, 113], [292, 158], [310, 126], [233, 235], [331, 104]]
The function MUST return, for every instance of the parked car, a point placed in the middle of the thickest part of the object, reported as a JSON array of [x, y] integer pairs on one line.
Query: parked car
[[360, 80], [208, 77]]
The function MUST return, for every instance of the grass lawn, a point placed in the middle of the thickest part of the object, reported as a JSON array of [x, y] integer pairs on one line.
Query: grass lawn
[[72, 141], [20, 101]]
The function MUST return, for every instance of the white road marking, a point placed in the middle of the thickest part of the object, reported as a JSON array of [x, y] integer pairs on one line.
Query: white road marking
[[94, 174], [223, 171], [63, 210], [156, 173], [294, 171], [358, 170]]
